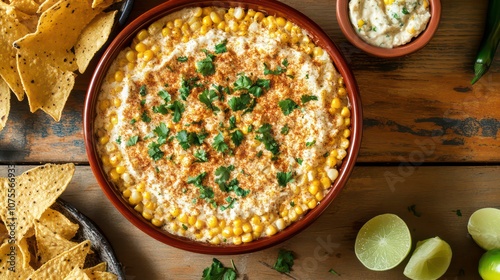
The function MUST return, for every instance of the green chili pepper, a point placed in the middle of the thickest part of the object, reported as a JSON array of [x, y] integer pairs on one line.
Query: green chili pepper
[[490, 41]]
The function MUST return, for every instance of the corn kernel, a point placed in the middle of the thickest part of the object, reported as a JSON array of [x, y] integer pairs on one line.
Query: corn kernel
[[319, 196], [135, 197], [325, 182], [139, 208], [175, 212], [192, 220], [227, 232], [346, 133], [271, 230], [178, 22], [222, 25], [176, 32], [119, 76], [293, 216], [157, 222], [204, 30], [288, 26], [150, 205], [312, 203], [114, 160], [345, 112], [146, 215], [113, 175], [247, 227], [239, 13], [141, 187], [280, 224], [332, 174], [347, 121], [120, 169], [126, 193], [195, 26], [143, 34], [212, 221], [247, 237], [361, 23], [215, 17], [237, 230], [183, 218], [237, 240], [141, 47], [207, 21], [222, 224], [258, 16], [425, 4], [198, 11], [174, 227], [104, 140], [281, 22], [215, 240], [147, 196], [255, 220], [199, 224], [117, 102], [166, 31]]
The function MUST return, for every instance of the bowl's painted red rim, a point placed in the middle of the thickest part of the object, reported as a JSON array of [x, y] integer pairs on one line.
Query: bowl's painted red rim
[[269, 7], [416, 44]]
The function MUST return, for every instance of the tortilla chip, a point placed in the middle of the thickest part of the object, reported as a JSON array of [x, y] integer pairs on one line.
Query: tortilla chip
[[11, 29], [46, 5], [11, 267], [63, 264], [58, 223], [4, 103], [93, 37], [27, 6], [98, 267], [36, 190], [77, 274], [103, 275], [4, 234], [49, 244], [45, 58]]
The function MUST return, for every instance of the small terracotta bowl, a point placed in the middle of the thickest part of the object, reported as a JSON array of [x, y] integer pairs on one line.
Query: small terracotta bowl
[[269, 7], [414, 45]]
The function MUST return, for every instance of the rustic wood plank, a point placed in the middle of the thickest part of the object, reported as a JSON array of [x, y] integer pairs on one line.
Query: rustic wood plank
[[435, 192], [422, 98]]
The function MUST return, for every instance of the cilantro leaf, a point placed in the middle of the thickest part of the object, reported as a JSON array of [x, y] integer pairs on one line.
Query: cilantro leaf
[[232, 122], [206, 193], [299, 161], [118, 140], [187, 85], [154, 151], [285, 129], [237, 137], [182, 58], [242, 83], [143, 90], [279, 70], [197, 180], [132, 140], [310, 143], [405, 11], [162, 131], [207, 97], [218, 272], [206, 66], [284, 178], [306, 98], [240, 103], [221, 47], [287, 106], [219, 144], [231, 202], [284, 262], [201, 156], [177, 109], [161, 109], [165, 95], [187, 139], [267, 138], [145, 118], [222, 175]]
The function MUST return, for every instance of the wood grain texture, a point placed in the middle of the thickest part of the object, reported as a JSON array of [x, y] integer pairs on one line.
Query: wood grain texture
[[436, 193], [423, 97]]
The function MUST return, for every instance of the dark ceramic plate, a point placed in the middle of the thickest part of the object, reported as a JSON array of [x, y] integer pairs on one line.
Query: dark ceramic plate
[[103, 252]]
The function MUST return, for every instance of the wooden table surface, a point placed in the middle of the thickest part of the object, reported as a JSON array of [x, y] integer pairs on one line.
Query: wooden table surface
[[429, 143]]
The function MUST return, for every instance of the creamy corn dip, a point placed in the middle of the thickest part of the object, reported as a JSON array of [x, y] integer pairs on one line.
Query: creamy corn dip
[[222, 125], [389, 23]]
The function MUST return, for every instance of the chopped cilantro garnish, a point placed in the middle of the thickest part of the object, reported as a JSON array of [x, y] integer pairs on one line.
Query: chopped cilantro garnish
[[232, 122], [395, 15], [206, 66], [119, 140], [256, 89], [222, 175], [201, 156], [306, 98], [231, 202], [162, 132], [279, 70], [207, 97], [160, 109], [242, 83], [145, 118], [284, 262], [458, 212], [307, 76], [284, 178], [266, 137], [405, 11], [237, 137], [197, 179], [187, 85], [218, 272], [240, 103], [132, 121], [285, 62], [285, 129], [219, 144], [299, 161], [221, 47], [206, 193], [187, 139], [287, 106], [184, 227], [132, 140], [182, 58], [333, 272], [413, 209], [259, 154], [154, 151], [143, 90], [310, 143], [177, 109], [165, 95], [292, 203], [250, 128], [143, 102]]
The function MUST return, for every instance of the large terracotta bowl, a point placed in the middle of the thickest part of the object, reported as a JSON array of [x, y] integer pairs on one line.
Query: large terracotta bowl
[[268, 7], [414, 45]]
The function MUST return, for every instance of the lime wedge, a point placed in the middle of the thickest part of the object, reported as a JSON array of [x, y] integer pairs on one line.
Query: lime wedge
[[484, 227], [383, 242], [429, 261]]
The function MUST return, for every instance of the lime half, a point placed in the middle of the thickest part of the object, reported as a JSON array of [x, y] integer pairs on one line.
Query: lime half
[[430, 260], [383, 242], [484, 227]]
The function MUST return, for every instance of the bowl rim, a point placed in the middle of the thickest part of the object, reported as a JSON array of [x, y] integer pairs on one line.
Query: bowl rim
[[269, 7], [343, 19]]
